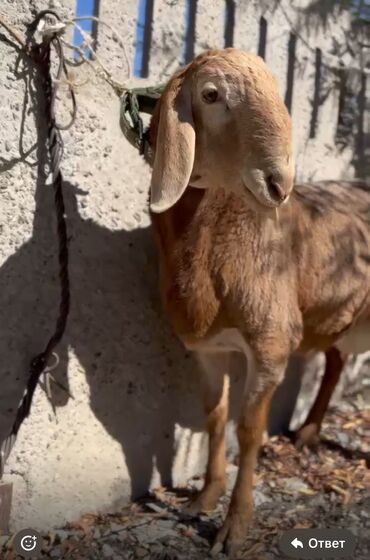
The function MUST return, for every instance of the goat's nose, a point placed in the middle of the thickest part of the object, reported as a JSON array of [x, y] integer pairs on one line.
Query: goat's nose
[[276, 191]]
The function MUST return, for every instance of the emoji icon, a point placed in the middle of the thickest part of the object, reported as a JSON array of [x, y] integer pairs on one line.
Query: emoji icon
[[28, 543]]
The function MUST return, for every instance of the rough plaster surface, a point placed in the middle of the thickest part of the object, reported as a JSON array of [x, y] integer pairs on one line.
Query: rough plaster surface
[[135, 418]]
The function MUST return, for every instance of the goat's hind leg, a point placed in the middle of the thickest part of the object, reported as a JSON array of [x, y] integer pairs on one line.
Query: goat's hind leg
[[308, 434], [215, 388]]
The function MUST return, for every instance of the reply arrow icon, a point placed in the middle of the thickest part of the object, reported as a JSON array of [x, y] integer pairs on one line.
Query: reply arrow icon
[[297, 543]]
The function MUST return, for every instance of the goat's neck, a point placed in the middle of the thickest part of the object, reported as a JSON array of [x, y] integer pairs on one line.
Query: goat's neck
[[189, 212]]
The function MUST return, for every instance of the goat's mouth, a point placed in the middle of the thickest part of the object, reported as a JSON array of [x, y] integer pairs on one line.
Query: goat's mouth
[[268, 193]]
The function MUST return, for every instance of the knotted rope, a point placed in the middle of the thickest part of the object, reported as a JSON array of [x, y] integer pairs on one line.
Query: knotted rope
[[41, 54]]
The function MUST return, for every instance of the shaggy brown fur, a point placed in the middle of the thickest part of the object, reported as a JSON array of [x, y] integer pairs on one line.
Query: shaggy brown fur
[[236, 276]]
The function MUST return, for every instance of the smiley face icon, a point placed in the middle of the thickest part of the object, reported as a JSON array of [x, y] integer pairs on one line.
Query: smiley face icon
[[28, 543]]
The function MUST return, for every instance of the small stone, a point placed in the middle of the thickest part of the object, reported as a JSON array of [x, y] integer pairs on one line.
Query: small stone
[[343, 438], [295, 484], [97, 533], [260, 498], [55, 553], [141, 552], [62, 535], [116, 527], [122, 536], [155, 531], [155, 508], [172, 542], [107, 551]]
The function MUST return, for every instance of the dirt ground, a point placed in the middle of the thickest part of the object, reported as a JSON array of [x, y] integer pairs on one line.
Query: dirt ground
[[325, 488]]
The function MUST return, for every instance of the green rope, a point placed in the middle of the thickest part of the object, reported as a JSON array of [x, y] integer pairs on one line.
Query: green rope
[[133, 102]]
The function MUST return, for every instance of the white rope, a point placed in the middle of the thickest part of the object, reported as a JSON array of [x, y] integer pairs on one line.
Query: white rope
[[115, 34], [47, 28]]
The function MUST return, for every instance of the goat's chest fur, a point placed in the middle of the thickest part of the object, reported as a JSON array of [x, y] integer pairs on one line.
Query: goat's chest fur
[[222, 270]]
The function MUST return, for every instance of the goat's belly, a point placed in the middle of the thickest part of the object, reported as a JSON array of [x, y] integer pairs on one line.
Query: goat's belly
[[356, 340], [226, 340]]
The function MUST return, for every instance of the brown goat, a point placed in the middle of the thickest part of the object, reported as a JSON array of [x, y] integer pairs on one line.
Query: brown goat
[[243, 268]]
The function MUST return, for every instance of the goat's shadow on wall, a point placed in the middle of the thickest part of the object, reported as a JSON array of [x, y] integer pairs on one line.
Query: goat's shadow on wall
[[141, 381]]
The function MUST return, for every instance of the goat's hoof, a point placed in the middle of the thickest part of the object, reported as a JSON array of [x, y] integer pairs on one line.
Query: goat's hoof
[[232, 534], [206, 501], [307, 436]]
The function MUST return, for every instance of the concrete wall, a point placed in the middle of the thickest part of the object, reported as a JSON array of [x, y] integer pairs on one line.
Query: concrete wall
[[135, 418]]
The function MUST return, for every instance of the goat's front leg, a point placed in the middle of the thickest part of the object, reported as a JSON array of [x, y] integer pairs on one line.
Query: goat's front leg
[[262, 381], [215, 388]]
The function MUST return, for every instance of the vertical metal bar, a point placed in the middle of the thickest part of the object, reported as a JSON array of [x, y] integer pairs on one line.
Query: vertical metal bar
[[229, 23], [191, 14], [290, 73], [262, 37], [94, 30], [362, 161], [147, 42], [341, 102], [316, 96]]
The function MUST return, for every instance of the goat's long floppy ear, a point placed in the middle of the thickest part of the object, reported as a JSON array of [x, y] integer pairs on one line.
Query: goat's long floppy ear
[[175, 146]]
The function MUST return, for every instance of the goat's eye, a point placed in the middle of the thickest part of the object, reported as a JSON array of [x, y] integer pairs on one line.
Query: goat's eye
[[210, 94]]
